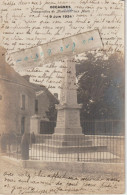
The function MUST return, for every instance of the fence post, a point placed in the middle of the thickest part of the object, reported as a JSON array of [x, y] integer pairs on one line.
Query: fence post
[[25, 147], [95, 127], [3, 143], [112, 128], [78, 150]]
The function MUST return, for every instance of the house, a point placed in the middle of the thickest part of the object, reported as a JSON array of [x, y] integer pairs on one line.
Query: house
[[20, 99]]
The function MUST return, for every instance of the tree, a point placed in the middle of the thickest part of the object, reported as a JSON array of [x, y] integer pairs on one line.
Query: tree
[[51, 113], [101, 87]]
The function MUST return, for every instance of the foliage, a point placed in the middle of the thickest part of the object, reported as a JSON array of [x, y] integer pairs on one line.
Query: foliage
[[51, 113], [101, 87]]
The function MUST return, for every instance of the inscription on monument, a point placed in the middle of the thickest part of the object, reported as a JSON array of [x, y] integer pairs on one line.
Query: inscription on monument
[[60, 119], [73, 118]]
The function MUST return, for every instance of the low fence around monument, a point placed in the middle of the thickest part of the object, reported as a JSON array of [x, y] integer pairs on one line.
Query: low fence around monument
[[95, 146], [89, 148], [10, 145]]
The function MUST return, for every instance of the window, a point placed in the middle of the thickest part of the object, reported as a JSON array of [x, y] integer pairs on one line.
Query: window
[[23, 102], [36, 106]]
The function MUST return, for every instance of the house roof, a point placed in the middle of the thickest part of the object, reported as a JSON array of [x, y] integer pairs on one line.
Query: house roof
[[41, 88], [8, 74]]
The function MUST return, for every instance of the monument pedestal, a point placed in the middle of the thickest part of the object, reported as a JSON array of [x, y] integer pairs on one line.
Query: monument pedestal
[[68, 129], [68, 120]]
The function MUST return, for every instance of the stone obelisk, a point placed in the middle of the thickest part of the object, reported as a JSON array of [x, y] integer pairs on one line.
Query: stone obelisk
[[68, 111], [68, 137]]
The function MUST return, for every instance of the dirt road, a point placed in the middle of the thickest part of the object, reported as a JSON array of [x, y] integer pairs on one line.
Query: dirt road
[[17, 180]]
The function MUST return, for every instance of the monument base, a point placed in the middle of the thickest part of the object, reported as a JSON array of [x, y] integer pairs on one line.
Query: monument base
[[68, 131], [65, 144]]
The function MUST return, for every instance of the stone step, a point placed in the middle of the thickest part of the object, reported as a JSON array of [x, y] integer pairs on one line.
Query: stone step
[[69, 149], [80, 157], [75, 138], [68, 143]]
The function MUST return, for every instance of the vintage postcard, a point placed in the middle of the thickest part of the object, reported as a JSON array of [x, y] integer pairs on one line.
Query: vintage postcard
[[62, 97]]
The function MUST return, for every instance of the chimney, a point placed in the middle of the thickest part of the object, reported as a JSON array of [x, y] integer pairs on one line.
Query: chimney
[[56, 95]]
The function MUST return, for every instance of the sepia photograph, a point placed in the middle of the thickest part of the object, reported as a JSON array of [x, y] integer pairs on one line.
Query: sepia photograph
[[62, 97]]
